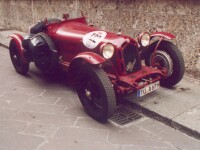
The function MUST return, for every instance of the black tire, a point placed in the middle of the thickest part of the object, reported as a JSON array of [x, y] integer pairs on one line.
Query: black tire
[[178, 66], [20, 67], [96, 93]]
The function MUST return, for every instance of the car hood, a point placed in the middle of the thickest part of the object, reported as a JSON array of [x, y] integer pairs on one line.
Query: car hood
[[90, 36]]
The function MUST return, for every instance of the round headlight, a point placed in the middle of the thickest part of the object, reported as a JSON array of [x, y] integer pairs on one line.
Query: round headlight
[[144, 39], [108, 51]]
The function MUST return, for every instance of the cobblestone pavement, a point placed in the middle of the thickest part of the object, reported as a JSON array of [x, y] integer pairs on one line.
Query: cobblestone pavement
[[39, 114]]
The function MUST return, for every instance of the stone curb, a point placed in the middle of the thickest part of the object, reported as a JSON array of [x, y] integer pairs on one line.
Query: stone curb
[[165, 120]]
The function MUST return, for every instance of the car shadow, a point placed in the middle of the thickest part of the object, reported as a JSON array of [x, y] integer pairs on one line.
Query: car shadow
[[60, 78]]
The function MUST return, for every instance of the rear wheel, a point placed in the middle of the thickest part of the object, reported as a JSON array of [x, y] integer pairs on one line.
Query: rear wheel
[[167, 56], [96, 93], [20, 67]]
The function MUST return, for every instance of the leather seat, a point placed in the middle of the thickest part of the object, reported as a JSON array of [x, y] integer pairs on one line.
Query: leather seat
[[40, 26]]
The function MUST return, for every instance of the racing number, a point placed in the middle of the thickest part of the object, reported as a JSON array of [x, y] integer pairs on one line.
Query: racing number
[[92, 39], [94, 36]]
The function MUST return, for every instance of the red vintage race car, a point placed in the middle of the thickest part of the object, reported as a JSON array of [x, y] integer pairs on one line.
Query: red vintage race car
[[102, 65]]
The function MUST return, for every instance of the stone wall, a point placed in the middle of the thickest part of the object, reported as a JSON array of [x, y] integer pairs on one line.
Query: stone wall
[[180, 17]]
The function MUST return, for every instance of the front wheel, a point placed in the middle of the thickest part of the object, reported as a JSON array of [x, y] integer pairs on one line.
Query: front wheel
[[96, 93], [20, 67], [167, 56]]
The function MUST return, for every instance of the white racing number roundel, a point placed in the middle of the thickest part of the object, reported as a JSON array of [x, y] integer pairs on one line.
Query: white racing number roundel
[[92, 39]]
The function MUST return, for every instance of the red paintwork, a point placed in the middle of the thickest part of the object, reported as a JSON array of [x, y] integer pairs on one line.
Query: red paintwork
[[91, 58], [166, 35], [67, 36], [18, 40], [133, 80]]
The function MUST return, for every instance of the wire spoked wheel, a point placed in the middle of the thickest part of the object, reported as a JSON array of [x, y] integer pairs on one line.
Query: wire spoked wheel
[[162, 60], [96, 93], [20, 67], [167, 56], [91, 94]]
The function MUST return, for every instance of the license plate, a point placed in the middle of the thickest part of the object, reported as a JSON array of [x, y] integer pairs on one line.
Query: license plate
[[148, 89]]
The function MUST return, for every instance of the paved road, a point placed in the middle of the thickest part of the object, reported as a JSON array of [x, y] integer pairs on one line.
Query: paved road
[[179, 106], [38, 114]]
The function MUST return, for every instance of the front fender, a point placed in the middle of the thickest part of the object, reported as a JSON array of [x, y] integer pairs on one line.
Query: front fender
[[18, 40], [166, 35], [90, 57]]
